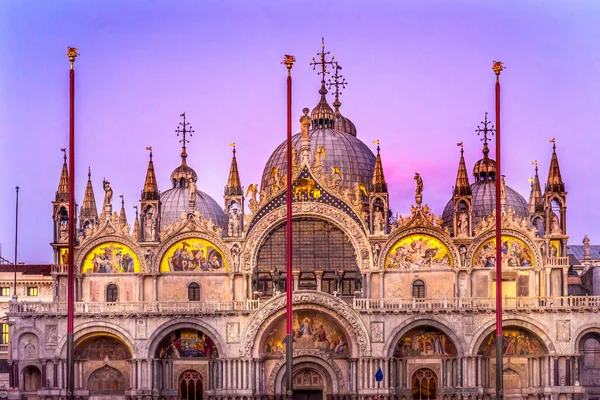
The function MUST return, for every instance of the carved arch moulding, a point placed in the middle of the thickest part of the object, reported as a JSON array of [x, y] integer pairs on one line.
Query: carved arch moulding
[[273, 309]]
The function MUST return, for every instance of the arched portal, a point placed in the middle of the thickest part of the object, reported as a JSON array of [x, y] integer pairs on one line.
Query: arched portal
[[105, 364], [309, 384], [190, 385], [521, 353], [32, 379], [589, 362], [424, 384]]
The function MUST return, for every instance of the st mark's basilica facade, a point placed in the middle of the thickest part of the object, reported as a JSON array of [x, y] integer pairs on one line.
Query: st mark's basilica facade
[[187, 301]]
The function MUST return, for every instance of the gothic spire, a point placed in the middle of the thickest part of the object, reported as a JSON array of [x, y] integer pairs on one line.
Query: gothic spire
[[536, 201], [462, 186], [150, 191], [136, 225], [122, 215], [89, 210], [234, 186], [379, 184], [555, 182], [62, 193]]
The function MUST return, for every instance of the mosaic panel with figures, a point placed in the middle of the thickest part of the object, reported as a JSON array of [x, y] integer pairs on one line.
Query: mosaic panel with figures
[[516, 342], [312, 331], [111, 258], [193, 254], [426, 341], [515, 253], [101, 348], [187, 343], [419, 251]]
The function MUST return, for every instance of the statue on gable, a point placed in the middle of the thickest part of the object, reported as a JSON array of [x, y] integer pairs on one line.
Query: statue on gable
[[108, 193], [305, 124], [418, 190]]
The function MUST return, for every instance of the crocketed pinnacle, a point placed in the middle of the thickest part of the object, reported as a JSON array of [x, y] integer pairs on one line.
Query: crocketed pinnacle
[[536, 202], [136, 225], [462, 186], [555, 182], [150, 191], [88, 209], [234, 186], [379, 185], [122, 215], [62, 194]]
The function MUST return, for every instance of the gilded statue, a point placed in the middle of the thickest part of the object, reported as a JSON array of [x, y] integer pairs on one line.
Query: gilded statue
[[305, 124], [253, 190], [108, 193], [498, 67], [336, 175], [304, 185]]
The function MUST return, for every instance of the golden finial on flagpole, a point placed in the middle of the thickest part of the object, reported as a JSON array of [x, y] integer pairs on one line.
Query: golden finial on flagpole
[[72, 54], [289, 61], [498, 67]]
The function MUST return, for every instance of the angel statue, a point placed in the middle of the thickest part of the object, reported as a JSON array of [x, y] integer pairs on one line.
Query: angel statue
[[253, 190]]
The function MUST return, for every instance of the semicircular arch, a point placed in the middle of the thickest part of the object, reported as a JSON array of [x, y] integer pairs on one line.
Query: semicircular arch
[[210, 237], [359, 342], [89, 328], [328, 369], [521, 323], [168, 327], [317, 211], [422, 322], [90, 245], [400, 234], [581, 332], [490, 234]]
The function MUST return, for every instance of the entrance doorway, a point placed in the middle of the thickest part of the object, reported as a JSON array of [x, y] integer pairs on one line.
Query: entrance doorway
[[190, 385], [308, 394], [424, 385]]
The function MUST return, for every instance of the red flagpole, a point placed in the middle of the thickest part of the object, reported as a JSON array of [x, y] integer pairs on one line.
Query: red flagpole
[[72, 53], [289, 353], [499, 336]]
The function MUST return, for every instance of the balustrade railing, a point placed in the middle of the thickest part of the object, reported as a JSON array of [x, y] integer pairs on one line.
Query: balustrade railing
[[479, 304], [3, 348], [556, 261], [91, 308]]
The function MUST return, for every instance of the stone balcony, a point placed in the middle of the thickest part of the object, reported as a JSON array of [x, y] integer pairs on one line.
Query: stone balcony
[[362, 305]]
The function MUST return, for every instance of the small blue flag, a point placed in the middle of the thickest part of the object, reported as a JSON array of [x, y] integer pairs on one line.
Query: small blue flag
[[379, 375]]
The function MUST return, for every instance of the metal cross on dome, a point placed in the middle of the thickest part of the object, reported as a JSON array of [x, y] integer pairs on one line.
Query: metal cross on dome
[[338, 80], [322, 62], [487, 128], [184, 128]]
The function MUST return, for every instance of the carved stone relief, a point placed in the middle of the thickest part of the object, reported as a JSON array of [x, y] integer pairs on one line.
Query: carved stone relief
[[233, 332], [377, 332]]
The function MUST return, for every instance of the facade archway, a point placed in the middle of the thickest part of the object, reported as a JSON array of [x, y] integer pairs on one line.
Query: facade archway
[[331, 378], [190, 385], [424, 384], [104, 364], [31, 379], [589, 361], [166, 329]]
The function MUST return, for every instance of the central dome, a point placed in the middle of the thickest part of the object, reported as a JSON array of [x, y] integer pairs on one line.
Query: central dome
[[175, 202], [354, 159]]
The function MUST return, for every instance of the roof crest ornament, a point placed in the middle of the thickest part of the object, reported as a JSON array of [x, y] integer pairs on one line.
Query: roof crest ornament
[[184, 128], [487, 128]]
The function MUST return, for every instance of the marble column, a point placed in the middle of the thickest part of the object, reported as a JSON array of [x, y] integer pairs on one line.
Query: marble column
[[296, 277], [319, 276]]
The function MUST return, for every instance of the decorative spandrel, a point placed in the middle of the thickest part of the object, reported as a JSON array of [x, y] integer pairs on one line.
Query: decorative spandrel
[[111, 258], [312, 330], [193, 255], [421, 342], [187, 343], [516, 342], [515, 253], [419, 251]]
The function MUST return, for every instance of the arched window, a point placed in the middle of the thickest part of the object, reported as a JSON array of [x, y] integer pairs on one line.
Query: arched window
[[112, 293], [194, 292], [418, 289]]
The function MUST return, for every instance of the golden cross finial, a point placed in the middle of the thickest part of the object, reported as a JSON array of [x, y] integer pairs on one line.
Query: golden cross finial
[[185, 129], [149, 148], [233, 145], [322, 62]]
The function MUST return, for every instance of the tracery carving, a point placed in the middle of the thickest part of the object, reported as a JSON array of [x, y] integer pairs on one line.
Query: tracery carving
[[349, 319], [509, 220], [107, 225]]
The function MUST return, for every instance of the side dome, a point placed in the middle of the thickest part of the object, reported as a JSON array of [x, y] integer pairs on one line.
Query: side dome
[[354, 159], [175, 202], [484, 203]]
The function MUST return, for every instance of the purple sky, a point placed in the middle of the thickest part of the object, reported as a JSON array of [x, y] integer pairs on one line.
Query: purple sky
[[419, 76]]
